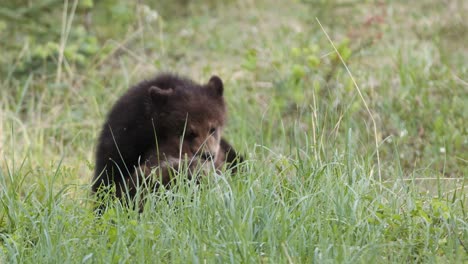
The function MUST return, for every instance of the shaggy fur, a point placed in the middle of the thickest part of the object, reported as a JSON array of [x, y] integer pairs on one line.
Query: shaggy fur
[[166, 118]]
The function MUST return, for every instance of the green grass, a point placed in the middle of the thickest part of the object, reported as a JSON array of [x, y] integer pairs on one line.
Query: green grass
[[311, 190]]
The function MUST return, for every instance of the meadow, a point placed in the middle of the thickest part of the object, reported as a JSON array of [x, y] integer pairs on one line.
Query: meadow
[[351, 115]]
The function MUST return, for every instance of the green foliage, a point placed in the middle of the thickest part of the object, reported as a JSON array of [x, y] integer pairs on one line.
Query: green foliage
[[42, 59], [39, 33]]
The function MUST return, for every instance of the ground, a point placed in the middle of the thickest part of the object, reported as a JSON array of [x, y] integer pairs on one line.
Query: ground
[[365, 165]]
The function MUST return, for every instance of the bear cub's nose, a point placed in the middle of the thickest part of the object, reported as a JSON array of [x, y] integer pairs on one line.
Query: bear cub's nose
[[206, 156]]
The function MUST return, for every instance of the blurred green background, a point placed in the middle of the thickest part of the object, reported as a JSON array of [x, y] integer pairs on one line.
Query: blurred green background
[[409, 60]]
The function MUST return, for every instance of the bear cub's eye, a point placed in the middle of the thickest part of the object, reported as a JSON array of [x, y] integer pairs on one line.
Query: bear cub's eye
[[212, 130], [190, 135]]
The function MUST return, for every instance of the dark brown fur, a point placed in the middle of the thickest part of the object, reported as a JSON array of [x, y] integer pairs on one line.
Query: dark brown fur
[[157, 120]]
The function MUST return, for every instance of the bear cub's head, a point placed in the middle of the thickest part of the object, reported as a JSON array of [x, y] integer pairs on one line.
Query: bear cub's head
[[187, 116]]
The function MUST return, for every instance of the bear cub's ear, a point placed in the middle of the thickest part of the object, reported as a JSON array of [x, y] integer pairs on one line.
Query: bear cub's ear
[[159, 95], [216, 85]]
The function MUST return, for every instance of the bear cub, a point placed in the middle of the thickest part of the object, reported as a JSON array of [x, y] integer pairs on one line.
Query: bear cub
[[158, 124]]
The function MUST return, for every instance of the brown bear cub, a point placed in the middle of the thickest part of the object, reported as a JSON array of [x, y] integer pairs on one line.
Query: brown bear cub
[[157, 125]]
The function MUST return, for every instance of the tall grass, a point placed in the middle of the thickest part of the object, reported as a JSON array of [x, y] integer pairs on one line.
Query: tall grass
[[293, 207]]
